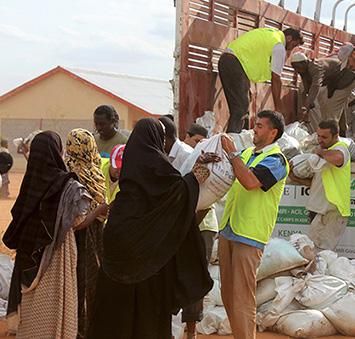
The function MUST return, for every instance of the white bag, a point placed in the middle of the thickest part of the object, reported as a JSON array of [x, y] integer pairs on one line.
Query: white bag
[[290, 147], [243, 140], [265, 291], [6, 268], [213, 297], [224, 327], [221, 174], [177, 327], [343, 269], [211, 320], [321, 266], [303, 245], [296, 130], [304, 324], [328, 255], [342, 314], [351, 146], [208, 121], [301, 166], [214, 271], [320, 291], [279, 255]]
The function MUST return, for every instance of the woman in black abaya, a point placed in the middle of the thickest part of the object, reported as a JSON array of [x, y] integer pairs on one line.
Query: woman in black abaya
[[154, 260]]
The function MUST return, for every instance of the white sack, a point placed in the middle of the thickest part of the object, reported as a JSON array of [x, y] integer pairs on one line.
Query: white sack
[[308, 144], [221, 174], [301, 166], [214, 272], [177, 327], [297, 131], [214, 255], [320, 291], [224, 327], [3, 308], [328, 255], [342, 314], [290, 147], [208, 121], [286, 288], [265, 291], [316, 163], [279, 255], [351, 146], [321, 266], [303, 245], [213, 297], [243, 140], [343, 269], [304, 324], [6, 268], [211, 320]]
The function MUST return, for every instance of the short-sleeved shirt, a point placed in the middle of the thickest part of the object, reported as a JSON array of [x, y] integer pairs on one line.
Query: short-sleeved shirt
[[317, 201], [278, 58], [179, 153], [105, 146], [269, 171]]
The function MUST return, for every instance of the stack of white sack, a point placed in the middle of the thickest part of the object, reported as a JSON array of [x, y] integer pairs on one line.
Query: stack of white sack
[[6, 268], [221, 175], [299, 293]]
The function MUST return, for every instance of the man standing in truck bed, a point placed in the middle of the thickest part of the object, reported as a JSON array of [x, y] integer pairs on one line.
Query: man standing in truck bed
[[258, 56]]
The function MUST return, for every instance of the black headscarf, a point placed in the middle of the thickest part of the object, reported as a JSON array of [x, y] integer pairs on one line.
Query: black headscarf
[[35, 210], [151, 222]]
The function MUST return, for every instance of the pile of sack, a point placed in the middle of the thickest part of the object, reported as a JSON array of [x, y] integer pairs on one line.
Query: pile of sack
[[299, 293], [6, 268]]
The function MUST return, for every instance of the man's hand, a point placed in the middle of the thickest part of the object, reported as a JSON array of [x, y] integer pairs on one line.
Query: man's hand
[[228, 144]]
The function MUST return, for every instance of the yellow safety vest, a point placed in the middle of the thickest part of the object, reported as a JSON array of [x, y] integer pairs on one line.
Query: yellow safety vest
[[105, 167], [336, 183], [252, 214], [254, 51]]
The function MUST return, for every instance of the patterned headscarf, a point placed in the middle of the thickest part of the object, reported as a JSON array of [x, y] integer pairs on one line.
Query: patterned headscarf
[[83, 158]]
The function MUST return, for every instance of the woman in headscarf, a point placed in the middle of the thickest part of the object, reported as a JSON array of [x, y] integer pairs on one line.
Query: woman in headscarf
[[83, 158], [154, 261], [50, 206]]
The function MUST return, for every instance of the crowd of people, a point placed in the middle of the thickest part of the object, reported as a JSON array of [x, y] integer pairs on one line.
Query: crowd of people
[[108, 241]]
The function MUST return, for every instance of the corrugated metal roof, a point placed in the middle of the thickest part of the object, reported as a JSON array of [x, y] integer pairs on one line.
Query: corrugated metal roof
[[152, 95]]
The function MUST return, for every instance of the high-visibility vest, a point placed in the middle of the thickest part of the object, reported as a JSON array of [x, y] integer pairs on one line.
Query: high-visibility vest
[[252, 214], [336, 182], [254, 51], [105, 167]]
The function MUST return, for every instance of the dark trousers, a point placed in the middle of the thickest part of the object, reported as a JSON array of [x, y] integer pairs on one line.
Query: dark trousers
[[236, 86], [194, 312]]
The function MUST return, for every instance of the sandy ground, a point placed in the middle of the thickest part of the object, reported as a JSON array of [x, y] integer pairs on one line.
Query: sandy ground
[[5, 218]]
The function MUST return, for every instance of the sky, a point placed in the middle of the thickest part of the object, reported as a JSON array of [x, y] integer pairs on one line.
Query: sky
[[134, 37]]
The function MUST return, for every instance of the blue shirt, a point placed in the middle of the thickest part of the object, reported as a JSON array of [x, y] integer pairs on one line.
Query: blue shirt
[[269, 171]]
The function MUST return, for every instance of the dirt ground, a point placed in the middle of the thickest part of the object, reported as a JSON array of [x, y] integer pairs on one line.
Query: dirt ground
[[5, 218]]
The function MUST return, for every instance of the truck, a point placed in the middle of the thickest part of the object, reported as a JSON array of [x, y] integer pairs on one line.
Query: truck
[[203, 30]]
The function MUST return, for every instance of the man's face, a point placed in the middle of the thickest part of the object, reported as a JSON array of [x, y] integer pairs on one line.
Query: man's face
[[291, 44], [104, 126], [263, 132], [300, 67], [194, 140], [325, 138], [114, 173]]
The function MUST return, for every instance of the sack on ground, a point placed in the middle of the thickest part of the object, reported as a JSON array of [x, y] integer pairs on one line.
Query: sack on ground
[[213, 297], [303, 245], [265, 291], [6, 268], [343, 269], [304, 324], [279, 255], [211, 320], [221, 175], [342, 314], [321, 291]]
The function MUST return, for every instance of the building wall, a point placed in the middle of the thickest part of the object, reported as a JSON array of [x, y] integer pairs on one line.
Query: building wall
[[58, 103]]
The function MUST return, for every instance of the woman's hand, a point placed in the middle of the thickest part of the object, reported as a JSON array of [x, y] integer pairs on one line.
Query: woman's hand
[[207, 157]]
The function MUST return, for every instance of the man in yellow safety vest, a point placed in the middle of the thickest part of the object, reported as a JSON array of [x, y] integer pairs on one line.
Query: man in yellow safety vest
[[249, 218], [258, 56], [329, 196]]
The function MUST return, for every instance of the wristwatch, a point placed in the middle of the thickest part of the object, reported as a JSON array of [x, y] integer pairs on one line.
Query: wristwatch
[[233, 155]]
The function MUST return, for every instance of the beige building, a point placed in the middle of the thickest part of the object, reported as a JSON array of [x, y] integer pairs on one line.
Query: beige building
[[63, 99]]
